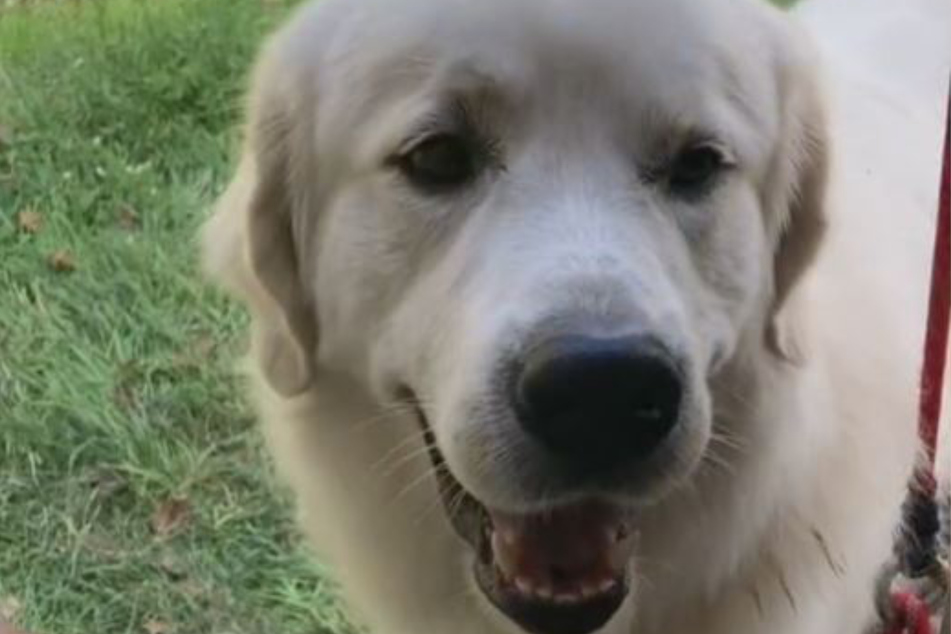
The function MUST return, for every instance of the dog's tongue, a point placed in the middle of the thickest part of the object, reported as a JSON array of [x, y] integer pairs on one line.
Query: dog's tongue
[[579, 550]]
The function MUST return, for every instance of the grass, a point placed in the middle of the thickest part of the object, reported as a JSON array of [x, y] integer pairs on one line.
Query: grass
[[132, 493], [116, 389]]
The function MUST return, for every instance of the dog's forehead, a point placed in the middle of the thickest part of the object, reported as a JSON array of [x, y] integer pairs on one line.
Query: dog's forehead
[[382, 47], [378, 64]]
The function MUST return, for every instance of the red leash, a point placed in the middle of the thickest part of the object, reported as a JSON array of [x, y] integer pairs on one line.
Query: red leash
[[909, 612], [939, 313], [912, 615]]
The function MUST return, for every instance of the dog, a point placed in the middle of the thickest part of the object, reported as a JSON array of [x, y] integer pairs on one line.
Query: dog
[[591, 316]]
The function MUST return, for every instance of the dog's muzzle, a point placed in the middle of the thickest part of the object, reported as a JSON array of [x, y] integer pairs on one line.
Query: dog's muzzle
[[595, 408], [562, 571]]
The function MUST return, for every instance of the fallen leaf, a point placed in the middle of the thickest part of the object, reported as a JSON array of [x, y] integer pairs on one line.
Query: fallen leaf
[[154, 626], [62, 261], [105, 483], [10, 606], [125, 394], [170, 516], [204, 346], [128, 218], [29, 221], [172, 566], [102, 547], [197, 353], [191, 588], [125, 397]]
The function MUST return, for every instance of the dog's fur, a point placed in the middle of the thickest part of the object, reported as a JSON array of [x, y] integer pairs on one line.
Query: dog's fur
[[800, 284]]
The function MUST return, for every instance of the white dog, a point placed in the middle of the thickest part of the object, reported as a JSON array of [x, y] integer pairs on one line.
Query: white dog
[[592, 316]]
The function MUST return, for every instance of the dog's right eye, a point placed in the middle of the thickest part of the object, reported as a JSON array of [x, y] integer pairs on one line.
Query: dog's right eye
[[440, 163]]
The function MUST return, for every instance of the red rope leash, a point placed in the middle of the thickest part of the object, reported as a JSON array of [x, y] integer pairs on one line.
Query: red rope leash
[[909, 612], [939, 313], [912, 615]]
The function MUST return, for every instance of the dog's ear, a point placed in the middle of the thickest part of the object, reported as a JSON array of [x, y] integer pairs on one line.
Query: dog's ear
[[249, 243], [797, 185]]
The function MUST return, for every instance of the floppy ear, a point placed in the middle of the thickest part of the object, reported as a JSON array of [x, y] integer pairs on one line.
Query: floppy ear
[[249, 246], [797, 187]]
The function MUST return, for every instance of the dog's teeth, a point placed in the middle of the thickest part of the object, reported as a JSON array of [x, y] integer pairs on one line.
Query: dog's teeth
[[544, 592], [507, 535], [588, 591], [567, 597], [505, 560], [606, 585], [524, 585]]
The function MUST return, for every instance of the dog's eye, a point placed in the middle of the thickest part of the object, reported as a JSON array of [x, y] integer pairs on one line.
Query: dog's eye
[[694, 169], [440, 163]]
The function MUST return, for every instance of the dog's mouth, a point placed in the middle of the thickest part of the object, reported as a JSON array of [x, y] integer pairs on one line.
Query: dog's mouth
[[560, 571]]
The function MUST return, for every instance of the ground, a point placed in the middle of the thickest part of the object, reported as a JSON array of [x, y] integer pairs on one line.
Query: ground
[[134, 494]]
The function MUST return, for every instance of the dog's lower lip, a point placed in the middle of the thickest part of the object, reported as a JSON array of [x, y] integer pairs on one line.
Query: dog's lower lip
[[578, 601]]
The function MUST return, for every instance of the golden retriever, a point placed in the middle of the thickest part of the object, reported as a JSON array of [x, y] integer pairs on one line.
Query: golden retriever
[[592, 316]]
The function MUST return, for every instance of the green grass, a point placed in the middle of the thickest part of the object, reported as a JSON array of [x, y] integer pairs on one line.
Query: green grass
[[116, 383]]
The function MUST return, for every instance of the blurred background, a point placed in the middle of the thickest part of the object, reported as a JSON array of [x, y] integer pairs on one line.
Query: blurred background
[[134, 493]]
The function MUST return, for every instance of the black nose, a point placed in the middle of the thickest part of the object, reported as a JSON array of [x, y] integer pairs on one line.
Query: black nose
[[597, 403]]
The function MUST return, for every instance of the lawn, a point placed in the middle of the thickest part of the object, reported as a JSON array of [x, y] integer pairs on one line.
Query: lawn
[[134, 493]]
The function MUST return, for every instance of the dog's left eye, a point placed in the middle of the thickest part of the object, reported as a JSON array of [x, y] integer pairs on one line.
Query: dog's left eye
[[441, 163], [694, 169]]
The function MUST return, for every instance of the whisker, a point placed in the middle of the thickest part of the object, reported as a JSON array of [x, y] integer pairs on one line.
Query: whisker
[[452, 506], [407, 458], [428, 473], [729, 441], [386, 414], [716, 462], [455, 504], [391, 452], [429, 510]]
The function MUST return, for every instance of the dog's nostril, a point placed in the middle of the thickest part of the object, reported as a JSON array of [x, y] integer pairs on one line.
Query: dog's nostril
[[597, 402]]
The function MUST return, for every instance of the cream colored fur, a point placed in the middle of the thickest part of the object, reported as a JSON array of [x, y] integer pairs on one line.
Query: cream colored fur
[[353, 283]]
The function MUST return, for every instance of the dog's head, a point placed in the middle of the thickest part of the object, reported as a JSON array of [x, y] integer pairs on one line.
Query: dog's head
[[548, 224]]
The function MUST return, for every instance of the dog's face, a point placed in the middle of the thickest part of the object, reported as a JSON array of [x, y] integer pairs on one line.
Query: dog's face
[[547, 225]]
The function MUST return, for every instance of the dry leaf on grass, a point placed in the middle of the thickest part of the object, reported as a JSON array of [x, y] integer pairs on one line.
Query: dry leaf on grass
[[125, 397], [172, 566], [127, 218], [191, 588], [29, 221], [106, 482], [204, 346], [62, 261], [154, 626], [102, 547], [10, 606], [171, 516], [125, 394], [197, 354]]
